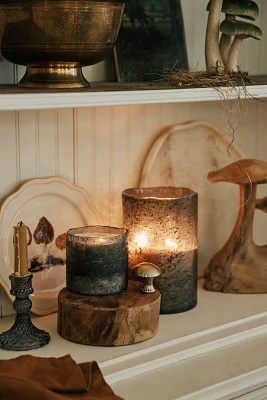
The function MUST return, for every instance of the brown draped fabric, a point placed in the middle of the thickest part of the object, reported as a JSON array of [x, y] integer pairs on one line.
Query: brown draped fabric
[[35, 378]]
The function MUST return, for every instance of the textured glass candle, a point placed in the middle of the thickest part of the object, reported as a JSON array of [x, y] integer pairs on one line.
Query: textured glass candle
[[97, 260], [162, 229]]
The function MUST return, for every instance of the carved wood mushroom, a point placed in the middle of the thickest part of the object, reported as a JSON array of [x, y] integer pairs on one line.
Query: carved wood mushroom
[[261, 204], [148, 271], [241, 265], [43, 235]]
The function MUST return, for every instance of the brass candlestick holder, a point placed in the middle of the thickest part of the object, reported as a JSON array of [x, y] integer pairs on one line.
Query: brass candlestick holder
[[23, 335]]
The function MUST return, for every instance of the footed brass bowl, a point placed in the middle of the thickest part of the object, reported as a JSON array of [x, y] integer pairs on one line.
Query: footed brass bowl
[[55, 38]]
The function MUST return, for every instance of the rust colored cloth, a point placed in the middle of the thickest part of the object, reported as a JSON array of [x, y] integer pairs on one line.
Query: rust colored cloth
[[35, 378]]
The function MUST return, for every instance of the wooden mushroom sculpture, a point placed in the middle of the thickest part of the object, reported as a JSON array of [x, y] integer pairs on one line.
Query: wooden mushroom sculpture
[[43, 235], [241, 265], [148, 271]]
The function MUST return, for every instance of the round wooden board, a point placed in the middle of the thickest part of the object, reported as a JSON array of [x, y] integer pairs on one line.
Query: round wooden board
[[125, 318]]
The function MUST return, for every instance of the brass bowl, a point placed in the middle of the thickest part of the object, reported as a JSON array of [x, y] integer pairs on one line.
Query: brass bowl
[[55, 38]]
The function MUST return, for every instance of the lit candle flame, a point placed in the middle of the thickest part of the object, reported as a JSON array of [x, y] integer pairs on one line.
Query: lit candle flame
[[141, 239], [171, 243]]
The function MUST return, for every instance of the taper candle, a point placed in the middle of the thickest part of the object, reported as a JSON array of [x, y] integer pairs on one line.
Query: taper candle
[[20, 252], [16, 252]]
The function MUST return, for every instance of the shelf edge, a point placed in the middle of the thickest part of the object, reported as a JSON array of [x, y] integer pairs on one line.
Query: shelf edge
[[250, 386], [123, 368], [29, 101]]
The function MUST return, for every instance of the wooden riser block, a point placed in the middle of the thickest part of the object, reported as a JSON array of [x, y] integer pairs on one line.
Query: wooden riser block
[[115, 320]]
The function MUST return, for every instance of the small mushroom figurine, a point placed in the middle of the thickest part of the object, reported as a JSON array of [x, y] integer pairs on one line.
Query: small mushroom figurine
[[148, 271]]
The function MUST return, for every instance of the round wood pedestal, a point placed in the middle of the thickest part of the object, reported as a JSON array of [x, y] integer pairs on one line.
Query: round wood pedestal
[[125, 318]]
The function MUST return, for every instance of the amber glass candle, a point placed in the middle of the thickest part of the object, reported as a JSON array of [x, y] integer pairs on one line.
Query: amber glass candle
[[162, 229]]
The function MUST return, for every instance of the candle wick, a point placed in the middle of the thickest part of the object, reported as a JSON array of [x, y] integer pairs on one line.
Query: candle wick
[[21, 223]]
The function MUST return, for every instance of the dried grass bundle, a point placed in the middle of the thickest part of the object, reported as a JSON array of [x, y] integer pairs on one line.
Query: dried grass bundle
[[204, 78]]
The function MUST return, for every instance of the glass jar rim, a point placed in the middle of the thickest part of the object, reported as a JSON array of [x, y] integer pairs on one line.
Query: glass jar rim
[[100, 229], [153, 193]]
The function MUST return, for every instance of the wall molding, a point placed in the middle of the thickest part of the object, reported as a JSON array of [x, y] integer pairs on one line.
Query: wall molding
[[174, 351], [107, 95], [249, 386]]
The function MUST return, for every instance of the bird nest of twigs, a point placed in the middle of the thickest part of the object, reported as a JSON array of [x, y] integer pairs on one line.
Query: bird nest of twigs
[[207, 79]]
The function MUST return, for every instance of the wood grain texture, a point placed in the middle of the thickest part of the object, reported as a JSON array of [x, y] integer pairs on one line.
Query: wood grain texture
[[241, 265], [121, 319]]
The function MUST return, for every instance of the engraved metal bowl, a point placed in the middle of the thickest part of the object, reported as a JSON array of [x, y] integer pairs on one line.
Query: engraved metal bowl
[[55, 38]]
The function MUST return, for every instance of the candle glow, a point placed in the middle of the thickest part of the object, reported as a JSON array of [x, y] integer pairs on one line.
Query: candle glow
[[171, 244], [141, 239]]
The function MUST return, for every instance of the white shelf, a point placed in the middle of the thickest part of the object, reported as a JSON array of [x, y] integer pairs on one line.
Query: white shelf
[[219, 320], [113, 94]]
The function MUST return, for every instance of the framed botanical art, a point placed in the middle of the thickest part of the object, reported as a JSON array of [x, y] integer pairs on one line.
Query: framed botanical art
[[151, 40]]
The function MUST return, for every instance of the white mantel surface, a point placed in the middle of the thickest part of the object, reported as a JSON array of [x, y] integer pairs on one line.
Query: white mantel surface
[[224, 337], [234, 372]]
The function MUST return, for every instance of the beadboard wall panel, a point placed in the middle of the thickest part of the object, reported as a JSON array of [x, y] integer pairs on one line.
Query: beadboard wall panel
[[9, 153], [47, 142], [65, 145], [102, 149], [122, 151], [103, 160], [28, 152]]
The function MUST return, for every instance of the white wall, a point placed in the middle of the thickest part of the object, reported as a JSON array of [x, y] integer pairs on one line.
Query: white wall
[[103, 148]]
